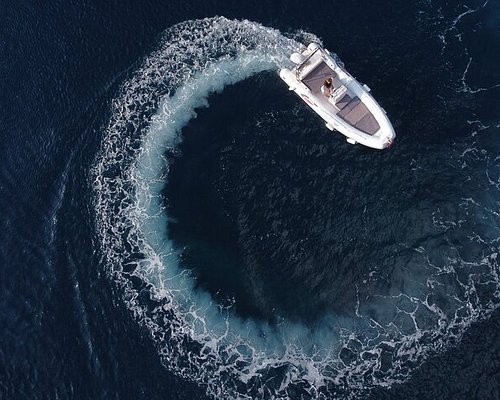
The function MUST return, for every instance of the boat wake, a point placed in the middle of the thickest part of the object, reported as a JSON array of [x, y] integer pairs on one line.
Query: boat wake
[[377, 343]]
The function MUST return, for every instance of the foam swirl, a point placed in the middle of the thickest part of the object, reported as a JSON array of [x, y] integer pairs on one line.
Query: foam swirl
[[387, 336]]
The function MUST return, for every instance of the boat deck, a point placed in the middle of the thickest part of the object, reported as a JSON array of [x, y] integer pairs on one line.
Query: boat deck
[[348, 107]]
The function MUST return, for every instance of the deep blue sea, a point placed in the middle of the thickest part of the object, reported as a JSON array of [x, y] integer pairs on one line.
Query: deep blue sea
[[176, 224]]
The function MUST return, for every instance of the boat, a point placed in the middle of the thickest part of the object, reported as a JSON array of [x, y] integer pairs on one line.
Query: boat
[[347, 106]]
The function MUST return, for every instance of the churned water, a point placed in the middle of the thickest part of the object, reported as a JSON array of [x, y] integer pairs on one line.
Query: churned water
[[178, 225]]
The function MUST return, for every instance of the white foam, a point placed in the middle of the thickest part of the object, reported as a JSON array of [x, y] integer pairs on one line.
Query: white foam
[[197, 338]]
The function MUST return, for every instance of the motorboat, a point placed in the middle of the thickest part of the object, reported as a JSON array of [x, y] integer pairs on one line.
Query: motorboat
[[345, 104]]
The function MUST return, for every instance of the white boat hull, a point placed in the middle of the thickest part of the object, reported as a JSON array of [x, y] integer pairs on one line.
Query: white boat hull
[[355, 113]]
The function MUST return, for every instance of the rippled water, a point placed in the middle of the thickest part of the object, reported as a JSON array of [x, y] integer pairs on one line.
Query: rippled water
[[249, 250]]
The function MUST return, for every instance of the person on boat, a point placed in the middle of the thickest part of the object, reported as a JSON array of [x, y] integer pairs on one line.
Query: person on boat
[[327, 88]]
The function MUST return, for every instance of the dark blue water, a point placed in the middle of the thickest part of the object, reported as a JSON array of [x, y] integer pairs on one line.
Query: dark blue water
[[260, 255]]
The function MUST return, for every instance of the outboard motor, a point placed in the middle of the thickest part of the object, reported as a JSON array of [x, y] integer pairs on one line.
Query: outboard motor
[[297, 58], [313, 47]]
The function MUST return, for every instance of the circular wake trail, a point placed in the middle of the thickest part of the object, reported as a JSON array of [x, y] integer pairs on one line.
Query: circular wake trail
[[386, 336]]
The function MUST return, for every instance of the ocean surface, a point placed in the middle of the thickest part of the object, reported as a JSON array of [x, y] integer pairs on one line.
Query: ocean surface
[[175, 224]]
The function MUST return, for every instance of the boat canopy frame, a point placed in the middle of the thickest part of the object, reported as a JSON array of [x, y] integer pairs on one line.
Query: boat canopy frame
[[299, 67]]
